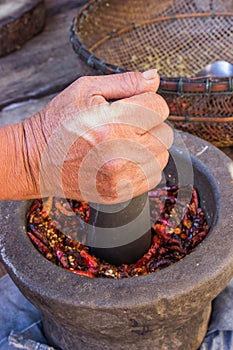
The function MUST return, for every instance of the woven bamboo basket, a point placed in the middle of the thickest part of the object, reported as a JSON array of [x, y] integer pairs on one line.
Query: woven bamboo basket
[[177, 37]]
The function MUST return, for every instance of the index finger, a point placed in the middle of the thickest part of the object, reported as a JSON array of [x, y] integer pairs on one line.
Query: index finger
[[119, 86]]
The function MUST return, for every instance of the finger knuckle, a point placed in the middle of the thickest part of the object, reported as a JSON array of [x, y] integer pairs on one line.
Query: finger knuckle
[[85, 84], [131, 81], [112, 168], [83, 81], [162, 106]]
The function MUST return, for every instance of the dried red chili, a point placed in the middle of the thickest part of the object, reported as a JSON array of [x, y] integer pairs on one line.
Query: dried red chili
[[178, 226]]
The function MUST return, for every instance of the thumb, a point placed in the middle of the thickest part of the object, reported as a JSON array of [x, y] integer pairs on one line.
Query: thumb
[[119, 86]]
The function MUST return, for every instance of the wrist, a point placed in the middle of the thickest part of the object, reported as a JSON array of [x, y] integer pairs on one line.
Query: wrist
[[19, 159], [34, 143]]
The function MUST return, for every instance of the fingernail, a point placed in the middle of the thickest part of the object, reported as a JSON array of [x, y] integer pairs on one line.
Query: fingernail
[[149, 74]]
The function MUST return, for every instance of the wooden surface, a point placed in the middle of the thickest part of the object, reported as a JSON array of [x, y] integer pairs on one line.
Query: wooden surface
[[46, 64], [19, 21]]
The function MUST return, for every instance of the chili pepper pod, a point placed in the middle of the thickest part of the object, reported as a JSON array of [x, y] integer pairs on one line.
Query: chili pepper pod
[[172, 239]]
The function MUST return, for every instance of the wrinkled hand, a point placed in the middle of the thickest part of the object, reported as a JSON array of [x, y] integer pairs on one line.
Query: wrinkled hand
[[81, 146]]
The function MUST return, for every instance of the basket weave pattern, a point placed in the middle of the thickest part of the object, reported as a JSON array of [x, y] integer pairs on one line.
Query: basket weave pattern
[[177, 37]]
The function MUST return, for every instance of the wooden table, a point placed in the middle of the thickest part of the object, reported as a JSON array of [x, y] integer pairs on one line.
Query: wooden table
[[31, 76]]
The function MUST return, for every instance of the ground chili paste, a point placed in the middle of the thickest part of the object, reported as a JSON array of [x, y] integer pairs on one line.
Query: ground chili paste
[[178, 225]]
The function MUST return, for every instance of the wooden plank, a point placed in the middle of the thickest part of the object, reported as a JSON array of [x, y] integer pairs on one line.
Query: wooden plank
[[45, 64], [19, 22]]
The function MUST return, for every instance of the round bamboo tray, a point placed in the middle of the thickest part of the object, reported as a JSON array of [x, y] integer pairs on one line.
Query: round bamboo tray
[[179, 38]]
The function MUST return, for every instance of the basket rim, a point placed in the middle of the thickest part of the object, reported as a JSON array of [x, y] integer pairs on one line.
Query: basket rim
[[179, 85]]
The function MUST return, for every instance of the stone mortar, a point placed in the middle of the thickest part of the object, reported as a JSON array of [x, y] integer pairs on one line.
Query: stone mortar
[[168, 309]]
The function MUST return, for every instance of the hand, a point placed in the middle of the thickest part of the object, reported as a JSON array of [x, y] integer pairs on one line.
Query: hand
[[80, 146]]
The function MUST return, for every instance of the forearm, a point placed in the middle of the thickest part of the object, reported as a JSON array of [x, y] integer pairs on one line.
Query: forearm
[[19, 177]]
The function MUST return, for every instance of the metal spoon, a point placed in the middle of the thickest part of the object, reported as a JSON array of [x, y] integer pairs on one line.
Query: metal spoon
[[218, 69]]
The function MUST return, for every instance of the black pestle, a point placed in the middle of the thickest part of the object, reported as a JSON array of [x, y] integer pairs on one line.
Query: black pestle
[[120, 233]]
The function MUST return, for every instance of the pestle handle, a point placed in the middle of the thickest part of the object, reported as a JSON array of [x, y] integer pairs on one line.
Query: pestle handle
[[120, 233]]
